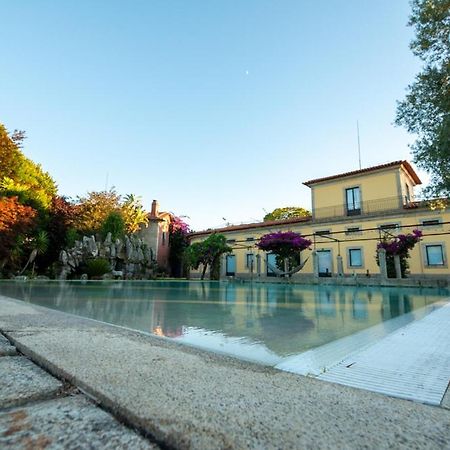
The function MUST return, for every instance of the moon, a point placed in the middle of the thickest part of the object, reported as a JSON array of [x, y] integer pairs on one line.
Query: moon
[[246, 72]]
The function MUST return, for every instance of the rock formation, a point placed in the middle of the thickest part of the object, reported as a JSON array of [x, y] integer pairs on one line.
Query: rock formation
[[129, 258]]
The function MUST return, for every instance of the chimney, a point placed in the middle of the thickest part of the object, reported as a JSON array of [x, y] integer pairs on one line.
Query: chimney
[[154, 211]]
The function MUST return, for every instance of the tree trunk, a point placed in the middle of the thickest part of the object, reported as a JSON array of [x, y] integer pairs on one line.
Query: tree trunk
[[215, 269], [204, 271]]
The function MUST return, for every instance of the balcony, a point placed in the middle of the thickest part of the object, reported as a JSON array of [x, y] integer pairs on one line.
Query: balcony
[[372, 208]]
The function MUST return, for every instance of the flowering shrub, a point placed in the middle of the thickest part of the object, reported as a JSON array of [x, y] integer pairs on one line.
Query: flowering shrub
[[283, 244], [178, 225], [178, 231], [401, 244]]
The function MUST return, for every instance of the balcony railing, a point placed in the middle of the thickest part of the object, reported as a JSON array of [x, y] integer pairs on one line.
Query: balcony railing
[[373, 207]]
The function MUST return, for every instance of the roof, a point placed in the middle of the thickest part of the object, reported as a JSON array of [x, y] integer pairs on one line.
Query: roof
[[161, 216], [406, 165], [247, 226]]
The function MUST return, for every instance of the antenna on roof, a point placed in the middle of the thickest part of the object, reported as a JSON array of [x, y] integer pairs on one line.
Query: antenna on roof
[[359, 146]]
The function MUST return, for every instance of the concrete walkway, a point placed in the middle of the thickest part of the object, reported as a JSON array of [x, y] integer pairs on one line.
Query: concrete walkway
[[185, 398], [38, 411]]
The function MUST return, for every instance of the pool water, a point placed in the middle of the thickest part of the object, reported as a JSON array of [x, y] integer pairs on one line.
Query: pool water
[[261, 322]]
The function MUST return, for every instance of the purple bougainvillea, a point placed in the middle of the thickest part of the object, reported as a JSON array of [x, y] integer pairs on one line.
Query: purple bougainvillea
[[283, 244], [402, 244]]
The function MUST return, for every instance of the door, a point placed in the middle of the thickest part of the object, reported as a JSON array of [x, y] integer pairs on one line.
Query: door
[[231, 265], [271, 262], [324, 259], [353, 201]]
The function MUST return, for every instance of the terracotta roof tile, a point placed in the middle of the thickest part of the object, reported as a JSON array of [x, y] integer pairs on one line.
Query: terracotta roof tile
[[403, 163], [247, 226]]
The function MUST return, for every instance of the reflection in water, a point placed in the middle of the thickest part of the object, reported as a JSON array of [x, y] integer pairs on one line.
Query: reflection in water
[[395, 304], [263, 322]]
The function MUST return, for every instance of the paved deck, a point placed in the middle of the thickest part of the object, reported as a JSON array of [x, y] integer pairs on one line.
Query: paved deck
[[190, 399], [38, 411]]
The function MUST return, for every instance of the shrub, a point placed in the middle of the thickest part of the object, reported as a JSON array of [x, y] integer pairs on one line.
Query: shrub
[[398, 245], [97, 267], [283, 244]]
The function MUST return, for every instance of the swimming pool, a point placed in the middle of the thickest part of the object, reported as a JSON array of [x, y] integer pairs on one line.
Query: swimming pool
[[263, 322]]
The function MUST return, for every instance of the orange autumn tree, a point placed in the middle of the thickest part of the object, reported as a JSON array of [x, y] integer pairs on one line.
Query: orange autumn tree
[[17, 222]]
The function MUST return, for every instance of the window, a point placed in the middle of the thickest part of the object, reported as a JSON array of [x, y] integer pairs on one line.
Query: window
[[353, 201], [431, 222], [249, 261], [408, 194], [325, 263], [322, 232], [249, 239], [231, 241], [355, 258], [163, 238], [434, 255], [353, 230], [271, 264], [230, 265], [390, 226]]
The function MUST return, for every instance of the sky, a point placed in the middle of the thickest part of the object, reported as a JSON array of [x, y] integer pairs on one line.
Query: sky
[[219, 109]]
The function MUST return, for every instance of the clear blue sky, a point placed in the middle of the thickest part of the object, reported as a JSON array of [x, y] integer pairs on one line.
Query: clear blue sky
[[218, 109]]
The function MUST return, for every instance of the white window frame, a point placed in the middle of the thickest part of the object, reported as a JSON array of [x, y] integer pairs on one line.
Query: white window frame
[[355, 207], [349, 259], [230, 255], [443, 253], [323, 232], [395, 229], [350, 231], [433, 225]]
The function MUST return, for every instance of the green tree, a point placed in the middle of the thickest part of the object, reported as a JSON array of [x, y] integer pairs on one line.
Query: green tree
[[93, 210], [425, 111], [58, 224], [38, 245], [208, 253], [21, 177], [8, 153], [113, 224], [288, 212]]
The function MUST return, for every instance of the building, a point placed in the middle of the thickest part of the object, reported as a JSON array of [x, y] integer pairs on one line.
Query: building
[[351, 212], [156, 235]]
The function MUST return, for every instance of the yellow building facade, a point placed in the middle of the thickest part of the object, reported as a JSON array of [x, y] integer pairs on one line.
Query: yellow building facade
[[351, 212]]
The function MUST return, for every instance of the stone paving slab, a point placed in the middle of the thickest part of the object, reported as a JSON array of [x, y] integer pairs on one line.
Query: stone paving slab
[[22, 381], [6, 349], [66, 423], [191, 399]]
